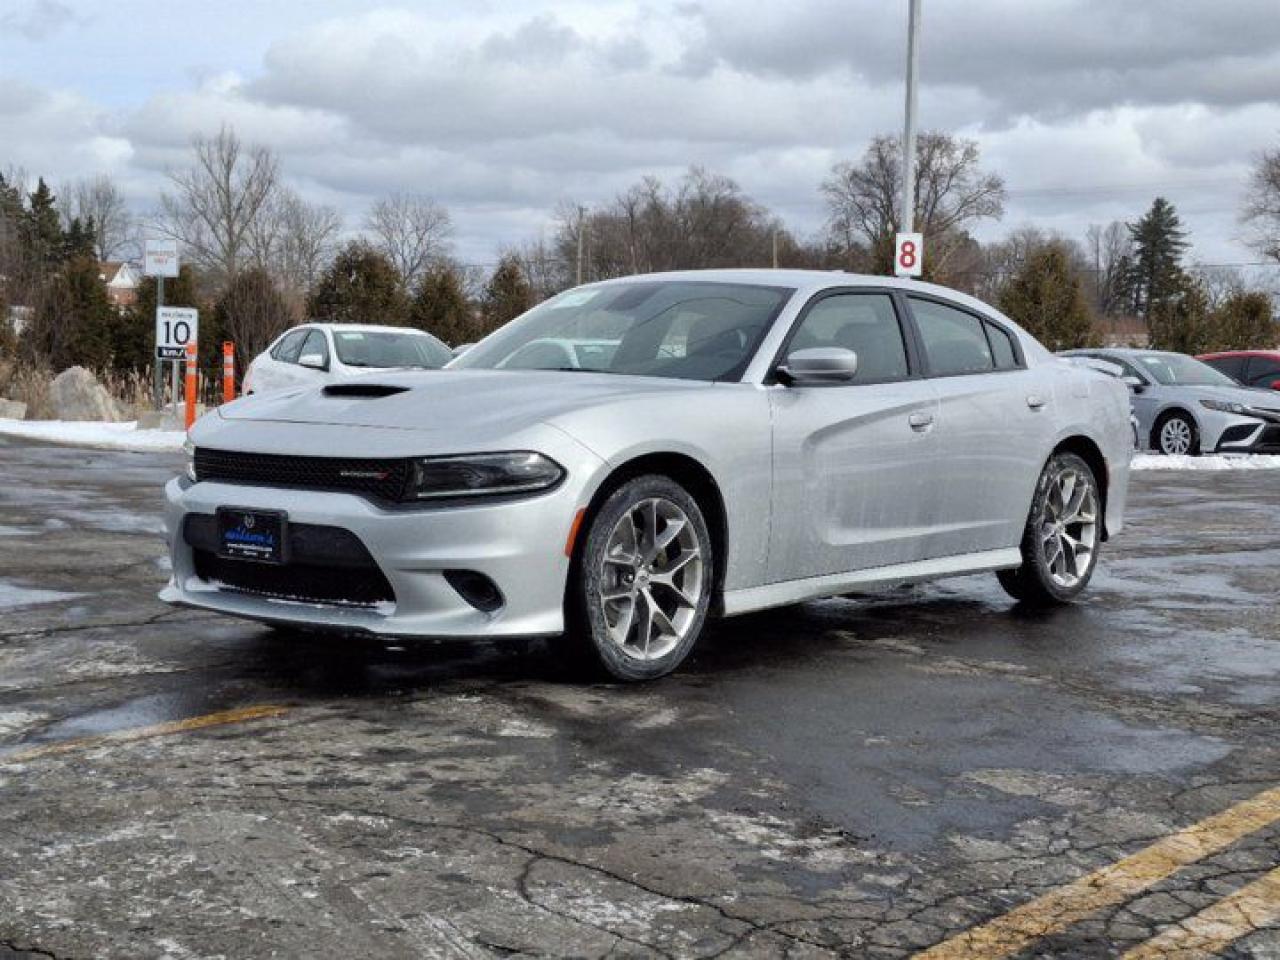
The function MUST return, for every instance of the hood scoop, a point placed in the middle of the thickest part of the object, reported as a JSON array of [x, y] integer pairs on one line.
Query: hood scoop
[[363, 390]]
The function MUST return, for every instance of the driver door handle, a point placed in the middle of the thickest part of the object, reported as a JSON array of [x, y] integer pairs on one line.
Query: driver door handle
[[920, 421], [1035, 401]]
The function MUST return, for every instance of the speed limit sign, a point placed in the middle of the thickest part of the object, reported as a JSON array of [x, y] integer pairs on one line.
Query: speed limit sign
[[175, 328], [908, 254]]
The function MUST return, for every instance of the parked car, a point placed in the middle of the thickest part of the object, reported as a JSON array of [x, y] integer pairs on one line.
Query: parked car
[[1184, 406], [319, 353], [755, 438], [1249, 368]]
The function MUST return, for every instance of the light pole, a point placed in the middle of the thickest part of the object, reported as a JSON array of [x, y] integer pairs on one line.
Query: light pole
[[907, 224]]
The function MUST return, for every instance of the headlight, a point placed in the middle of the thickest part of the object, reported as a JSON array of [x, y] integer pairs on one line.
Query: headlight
[[483, 474], [1223, 406], [189, 452]]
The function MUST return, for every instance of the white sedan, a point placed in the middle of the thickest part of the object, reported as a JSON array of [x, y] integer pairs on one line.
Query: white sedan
[[319, 353]]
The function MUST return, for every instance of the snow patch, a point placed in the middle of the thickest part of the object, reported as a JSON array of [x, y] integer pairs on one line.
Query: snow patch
[[1217, 461], [15, 721], [100, 436], [12, 595]]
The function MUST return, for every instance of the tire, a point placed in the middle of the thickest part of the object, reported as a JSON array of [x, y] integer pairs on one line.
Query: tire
[[637, 603], [1065, 521], [1176, 434]]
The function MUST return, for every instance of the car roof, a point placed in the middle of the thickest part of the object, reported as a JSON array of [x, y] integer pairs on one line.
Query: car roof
[[365, 328], [810, 281], [1238, 353]]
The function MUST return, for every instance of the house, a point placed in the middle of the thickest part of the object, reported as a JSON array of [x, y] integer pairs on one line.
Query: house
[[122, 280]]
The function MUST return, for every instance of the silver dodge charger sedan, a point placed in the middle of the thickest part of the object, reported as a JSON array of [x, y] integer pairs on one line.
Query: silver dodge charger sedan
[[732, 440]]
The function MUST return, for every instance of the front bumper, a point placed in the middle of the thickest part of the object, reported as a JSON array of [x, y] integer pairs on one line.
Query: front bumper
[[518, 544], [1234, 433]]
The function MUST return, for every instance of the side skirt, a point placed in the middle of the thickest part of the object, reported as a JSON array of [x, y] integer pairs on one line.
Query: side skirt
[[810, 588]]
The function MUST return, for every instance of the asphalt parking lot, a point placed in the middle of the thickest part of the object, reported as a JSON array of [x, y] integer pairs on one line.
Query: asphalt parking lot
[[931, 768]]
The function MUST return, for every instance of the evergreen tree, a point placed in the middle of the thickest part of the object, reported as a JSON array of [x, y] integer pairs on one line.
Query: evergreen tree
[[74, 323], [360, 286], [1046, 297], [441, 306], [42, 233], [506, 296], [1244, 321], [1156, 262], [78, 240], [1180, 321]]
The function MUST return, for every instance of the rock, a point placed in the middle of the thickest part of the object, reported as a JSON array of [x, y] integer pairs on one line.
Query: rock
[[12, 410], [77, 395]]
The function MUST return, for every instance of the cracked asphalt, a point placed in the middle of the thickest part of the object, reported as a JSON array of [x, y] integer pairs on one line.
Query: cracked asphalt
[[857, 778]]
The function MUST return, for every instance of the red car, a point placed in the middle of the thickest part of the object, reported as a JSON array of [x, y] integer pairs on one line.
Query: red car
[[1252, 368]]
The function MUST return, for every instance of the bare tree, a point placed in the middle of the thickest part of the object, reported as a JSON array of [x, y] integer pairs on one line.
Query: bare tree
[[951, 193], [1110, 253], [294, 240], [216, 203], [412, 230], [98, 200], [1262, 206]]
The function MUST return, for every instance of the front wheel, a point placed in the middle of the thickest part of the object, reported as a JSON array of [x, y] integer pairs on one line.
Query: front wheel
[[644, 579], [1060, 541], [1176, 435]]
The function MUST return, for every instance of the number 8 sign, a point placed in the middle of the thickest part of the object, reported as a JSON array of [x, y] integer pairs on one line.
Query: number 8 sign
[[908, 254]]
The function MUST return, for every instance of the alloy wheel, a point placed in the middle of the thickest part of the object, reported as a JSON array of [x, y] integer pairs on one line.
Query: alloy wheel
[[651, 579], [1069, 527], [1175, 437]]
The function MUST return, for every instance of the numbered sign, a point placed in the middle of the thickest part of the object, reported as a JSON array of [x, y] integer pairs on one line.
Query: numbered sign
[[160, 258], [908, 254], [175, 328]]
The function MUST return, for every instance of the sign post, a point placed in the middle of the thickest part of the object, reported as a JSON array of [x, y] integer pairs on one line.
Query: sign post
[[160, 260], [906, 236]]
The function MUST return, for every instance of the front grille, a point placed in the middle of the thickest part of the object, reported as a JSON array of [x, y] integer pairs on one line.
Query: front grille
[[377, 479], [305, 582]]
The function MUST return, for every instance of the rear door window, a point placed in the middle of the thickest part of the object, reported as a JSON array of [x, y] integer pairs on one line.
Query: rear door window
[[954, 340], [1262, 371]]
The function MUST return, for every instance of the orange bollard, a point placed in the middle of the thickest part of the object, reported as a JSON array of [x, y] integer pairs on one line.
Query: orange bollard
[[191, 383], [228, 371]]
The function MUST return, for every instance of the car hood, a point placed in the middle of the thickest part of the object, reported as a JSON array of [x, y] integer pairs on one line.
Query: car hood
[[467, 401], [1265, 399]]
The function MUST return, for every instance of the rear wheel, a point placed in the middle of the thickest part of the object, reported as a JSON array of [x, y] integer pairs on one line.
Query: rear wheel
[[643, 580], [1176, 435], [1060, 541]]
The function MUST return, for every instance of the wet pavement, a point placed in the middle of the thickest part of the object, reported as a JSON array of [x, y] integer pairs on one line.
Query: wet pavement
[[845, 778]]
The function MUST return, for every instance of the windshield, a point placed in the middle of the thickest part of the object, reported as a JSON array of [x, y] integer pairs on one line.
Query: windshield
[[370, 348], [1175, 370], [691, 330]]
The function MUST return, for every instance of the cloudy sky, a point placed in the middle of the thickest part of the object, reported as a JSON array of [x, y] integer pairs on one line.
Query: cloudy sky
[[1089, 108]]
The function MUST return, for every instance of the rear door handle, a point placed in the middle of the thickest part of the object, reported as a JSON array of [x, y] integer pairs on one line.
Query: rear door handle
[[1035, 401], [920, 421]]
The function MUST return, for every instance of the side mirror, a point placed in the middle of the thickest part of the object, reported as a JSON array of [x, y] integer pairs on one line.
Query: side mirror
[[1275, 384], [1134, 383], [316, 361], [818, 365]]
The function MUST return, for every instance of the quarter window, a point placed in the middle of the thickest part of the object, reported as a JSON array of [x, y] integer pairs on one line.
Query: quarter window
[[954, 341], [865, 323], [288, 349], [1006, 358]]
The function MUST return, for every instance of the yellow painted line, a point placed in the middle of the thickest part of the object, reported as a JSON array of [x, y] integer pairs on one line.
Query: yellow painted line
[[1218, 926], [223, 718], [1109, 886]]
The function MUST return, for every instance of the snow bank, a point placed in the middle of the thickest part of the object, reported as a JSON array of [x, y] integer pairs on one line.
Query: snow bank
[[1151, 461], [100, 436]]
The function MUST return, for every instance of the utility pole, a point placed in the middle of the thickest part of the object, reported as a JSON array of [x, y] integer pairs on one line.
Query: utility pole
[[909, 132], [582, 214], [775, 247]]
